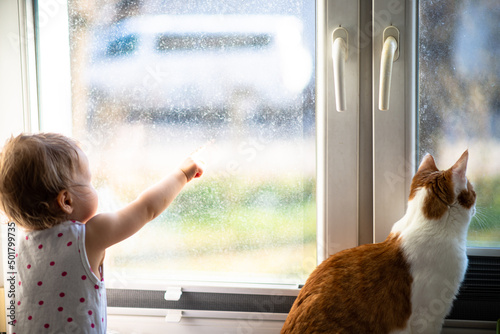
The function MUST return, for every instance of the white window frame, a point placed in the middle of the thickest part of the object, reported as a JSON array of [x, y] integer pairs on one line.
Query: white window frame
[[16, 91], [394, 153], [338, 133]]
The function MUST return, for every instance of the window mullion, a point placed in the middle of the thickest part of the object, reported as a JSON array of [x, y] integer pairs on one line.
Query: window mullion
[[341, 226], [365, 198], [393, 133]]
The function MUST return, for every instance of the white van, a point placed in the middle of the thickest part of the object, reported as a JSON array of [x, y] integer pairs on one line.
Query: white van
[[200, 63]]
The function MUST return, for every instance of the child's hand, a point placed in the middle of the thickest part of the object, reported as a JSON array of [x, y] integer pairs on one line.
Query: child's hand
[[191, 168]]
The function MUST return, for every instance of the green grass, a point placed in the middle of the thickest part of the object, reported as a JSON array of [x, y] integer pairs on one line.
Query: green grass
[[484, 230], [215, 224], [265, 226]]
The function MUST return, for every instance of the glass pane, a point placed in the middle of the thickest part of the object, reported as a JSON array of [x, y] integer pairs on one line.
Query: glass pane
[[154, 80], [459, 99]]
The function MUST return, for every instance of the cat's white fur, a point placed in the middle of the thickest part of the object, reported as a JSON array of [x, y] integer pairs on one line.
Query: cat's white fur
[[436, 252]]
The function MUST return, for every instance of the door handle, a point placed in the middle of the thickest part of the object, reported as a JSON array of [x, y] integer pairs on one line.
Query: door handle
[[390, 53], [339, 55]]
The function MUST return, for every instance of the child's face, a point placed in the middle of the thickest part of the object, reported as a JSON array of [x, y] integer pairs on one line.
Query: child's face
[[84, 195]]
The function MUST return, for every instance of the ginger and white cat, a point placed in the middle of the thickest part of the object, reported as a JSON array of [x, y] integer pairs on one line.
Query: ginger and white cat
[[405, 284]]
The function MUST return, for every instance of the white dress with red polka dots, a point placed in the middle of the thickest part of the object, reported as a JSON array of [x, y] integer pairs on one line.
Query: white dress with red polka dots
[[57, 291]]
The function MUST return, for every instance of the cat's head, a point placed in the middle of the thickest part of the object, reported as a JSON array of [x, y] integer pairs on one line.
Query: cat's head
[[443, 190]]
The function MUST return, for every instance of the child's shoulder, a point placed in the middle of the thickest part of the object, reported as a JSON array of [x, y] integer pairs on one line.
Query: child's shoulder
[[57, 230]]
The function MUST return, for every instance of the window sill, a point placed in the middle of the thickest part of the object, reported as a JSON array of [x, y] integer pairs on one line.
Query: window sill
[[129, 321], [120, 321]]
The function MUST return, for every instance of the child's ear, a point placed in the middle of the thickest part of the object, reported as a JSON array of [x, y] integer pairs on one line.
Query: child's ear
[[65, 201]]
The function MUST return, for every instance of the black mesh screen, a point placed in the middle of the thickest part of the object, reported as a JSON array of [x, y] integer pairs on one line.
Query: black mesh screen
[[479, 297]]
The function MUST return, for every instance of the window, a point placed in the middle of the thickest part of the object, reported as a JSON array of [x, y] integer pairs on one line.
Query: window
[[459, 100], [449, 106], [168, 43], [122, 46], [152, 83], [289, 179]]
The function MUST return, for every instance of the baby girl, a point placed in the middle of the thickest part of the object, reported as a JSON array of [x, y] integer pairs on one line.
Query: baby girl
[[45, 188]]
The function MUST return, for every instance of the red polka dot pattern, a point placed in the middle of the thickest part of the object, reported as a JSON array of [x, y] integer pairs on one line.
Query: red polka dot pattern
[[70, 280]]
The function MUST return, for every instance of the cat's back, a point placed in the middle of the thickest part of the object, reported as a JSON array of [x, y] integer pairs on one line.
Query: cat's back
[[366, 289]]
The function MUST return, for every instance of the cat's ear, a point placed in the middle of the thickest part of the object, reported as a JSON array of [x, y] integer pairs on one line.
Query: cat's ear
[[458, 171], [428, 164]]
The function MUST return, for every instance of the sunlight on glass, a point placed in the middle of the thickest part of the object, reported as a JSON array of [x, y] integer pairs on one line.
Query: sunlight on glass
[[153, 81], [459, 103]]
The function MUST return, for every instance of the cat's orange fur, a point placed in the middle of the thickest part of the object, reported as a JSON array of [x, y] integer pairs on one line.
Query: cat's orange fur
[[441, 185], [332, 299], [382, 288]]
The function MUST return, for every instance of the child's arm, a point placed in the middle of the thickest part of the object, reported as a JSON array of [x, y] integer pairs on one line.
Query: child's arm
[[107, 229]]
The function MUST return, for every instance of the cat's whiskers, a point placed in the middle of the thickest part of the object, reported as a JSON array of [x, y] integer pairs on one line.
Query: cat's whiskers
[[481, 219]]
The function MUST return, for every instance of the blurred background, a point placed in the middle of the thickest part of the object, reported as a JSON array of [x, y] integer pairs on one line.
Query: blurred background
[[152, 81], [459, 99]]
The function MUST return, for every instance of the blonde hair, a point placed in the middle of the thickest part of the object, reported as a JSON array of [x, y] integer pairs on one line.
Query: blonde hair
[[33, 170]]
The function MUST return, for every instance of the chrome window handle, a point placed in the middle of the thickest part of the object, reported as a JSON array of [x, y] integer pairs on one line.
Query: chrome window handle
[[390, 53], [339, 55]]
